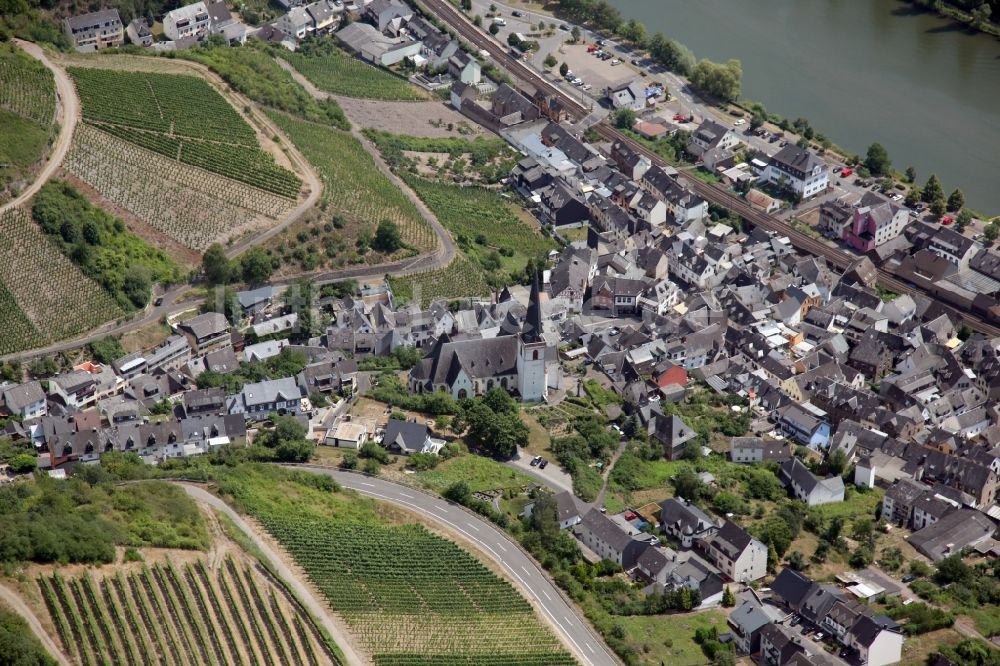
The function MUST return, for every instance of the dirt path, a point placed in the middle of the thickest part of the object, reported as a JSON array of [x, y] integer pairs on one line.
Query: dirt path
[[12, 599], [69, 106], [316, 607]]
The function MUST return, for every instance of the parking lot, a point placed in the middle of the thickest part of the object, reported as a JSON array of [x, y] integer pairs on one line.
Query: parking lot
[[598, 73]]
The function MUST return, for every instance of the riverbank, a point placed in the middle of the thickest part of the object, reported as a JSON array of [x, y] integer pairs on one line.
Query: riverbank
[[947, 10]]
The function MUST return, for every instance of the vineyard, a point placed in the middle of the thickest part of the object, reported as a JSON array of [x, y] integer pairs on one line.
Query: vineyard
[[332, 70], [411, 597], [183, 118], [38, 279], [179, 614], [352, 186], [26, 86], [191, 206], [482, 223], [27, 111], [459, 279]]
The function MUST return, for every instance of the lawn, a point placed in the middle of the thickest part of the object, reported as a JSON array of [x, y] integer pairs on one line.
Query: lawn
[[22, 143], [480, 473], [855, 505], [669, 639], [334, 71], [917, 648]]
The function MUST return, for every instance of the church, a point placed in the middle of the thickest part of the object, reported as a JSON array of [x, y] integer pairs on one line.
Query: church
[[516, 361]]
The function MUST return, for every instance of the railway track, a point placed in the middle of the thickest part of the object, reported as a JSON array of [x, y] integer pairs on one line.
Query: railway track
[[533, 81]]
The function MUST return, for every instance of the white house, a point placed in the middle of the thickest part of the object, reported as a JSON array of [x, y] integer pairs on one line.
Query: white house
[[798, 169], [808, 488], [350, 435], [188, 21], [629, 96], [25, 400], [738, 555], [876, 645]]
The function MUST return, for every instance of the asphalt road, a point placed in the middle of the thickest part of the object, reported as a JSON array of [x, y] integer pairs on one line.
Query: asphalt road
[[574, 631]]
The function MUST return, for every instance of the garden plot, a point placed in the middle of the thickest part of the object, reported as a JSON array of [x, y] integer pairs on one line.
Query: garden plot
[[54, 295], [192, 206]]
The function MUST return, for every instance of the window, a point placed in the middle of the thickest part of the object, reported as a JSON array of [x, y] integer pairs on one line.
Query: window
[[534, 355]]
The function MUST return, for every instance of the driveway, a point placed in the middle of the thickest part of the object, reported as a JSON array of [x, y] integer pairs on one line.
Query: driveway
[[552, 476], [571, 628]]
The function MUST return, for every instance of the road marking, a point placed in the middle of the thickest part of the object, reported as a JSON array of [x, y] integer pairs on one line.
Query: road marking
[[546, 594], [589, 647], [370, 485], [500, 546], [526, 570], [406, 496], [473, 527]]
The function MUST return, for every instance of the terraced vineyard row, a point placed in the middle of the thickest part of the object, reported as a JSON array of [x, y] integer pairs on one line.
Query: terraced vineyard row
[[178, 615], [415, 598], [352, 182], [183, 118], [334, 71], [26, 86], [190, 205], [174, 104], [459, 279], [50, 290]]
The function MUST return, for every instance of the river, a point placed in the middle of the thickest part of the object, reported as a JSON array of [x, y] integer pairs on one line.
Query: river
[[859, 71]]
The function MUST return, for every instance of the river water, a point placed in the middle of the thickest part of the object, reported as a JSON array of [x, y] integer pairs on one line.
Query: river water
[[859, 71]]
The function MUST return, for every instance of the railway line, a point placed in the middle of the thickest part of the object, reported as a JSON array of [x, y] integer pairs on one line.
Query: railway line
[[531, 81]]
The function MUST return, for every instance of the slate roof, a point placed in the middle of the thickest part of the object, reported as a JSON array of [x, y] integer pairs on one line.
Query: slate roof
[[408, 435], [791, 587], [732, 540], [23, 395], [206, 325], [264, 393], [964, 527]]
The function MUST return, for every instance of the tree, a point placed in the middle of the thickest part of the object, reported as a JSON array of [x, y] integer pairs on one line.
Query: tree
[[981, 16], [963, 219], [494, 28], [107, 350], [913, 196], [757, 119], [255, 266], [837, 462], [728, 598], [23, 463], [466, 5], [625, 118], [956, 200], [563, 69], [688, 485], [718, 80], [387, 237], [550, 61], [575, 34], [991, 231], [772, 558], [933, 190], [861, 557], [938, 207], [877, 160], [287, 440], [796, 560], [910, 174], [215, 265]]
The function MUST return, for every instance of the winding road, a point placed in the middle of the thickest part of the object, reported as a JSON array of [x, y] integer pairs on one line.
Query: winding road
[[13, 599], [575, 632], [69, 106]]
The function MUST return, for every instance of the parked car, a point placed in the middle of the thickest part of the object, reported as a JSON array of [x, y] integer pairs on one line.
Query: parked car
[[616, 61], [535, 461], [908, 578], [636, 62], [564, 27], [586, 86], [795, 620], [846, 173], [741, 121], [543, 464], [518, 13], [838, 169], [592, 49], [158, 302], [578, 81], [499, 21], [601, 42]]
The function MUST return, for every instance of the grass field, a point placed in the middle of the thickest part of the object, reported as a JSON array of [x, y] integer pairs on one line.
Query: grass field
[[480, 473], [334, 71], [483, 223], [178, 614], [669, 639], [48, 289], [355, 192], [459, 279], [183, 118], [27, 110], [409, 596]]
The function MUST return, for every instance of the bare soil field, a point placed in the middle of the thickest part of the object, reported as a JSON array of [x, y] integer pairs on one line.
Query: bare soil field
[[429, 119]]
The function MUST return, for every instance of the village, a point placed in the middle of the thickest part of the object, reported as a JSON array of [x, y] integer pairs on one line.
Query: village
[[666, 332]]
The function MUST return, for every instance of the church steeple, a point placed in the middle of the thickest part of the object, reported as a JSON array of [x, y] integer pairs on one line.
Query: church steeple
[[532, 329]]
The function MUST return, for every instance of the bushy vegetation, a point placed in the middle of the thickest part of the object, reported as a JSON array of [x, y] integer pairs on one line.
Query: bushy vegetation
[[590, 444], [287, 363], [121, 262], [459, 279], [27, 107], [82, 519], [483, 160], [334, 71], [252, 71], [18, 645]]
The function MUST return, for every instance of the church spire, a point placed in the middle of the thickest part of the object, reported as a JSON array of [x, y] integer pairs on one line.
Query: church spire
[[532, 329]]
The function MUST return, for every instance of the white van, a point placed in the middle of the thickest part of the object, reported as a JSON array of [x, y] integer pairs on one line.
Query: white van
[[499, 21]]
